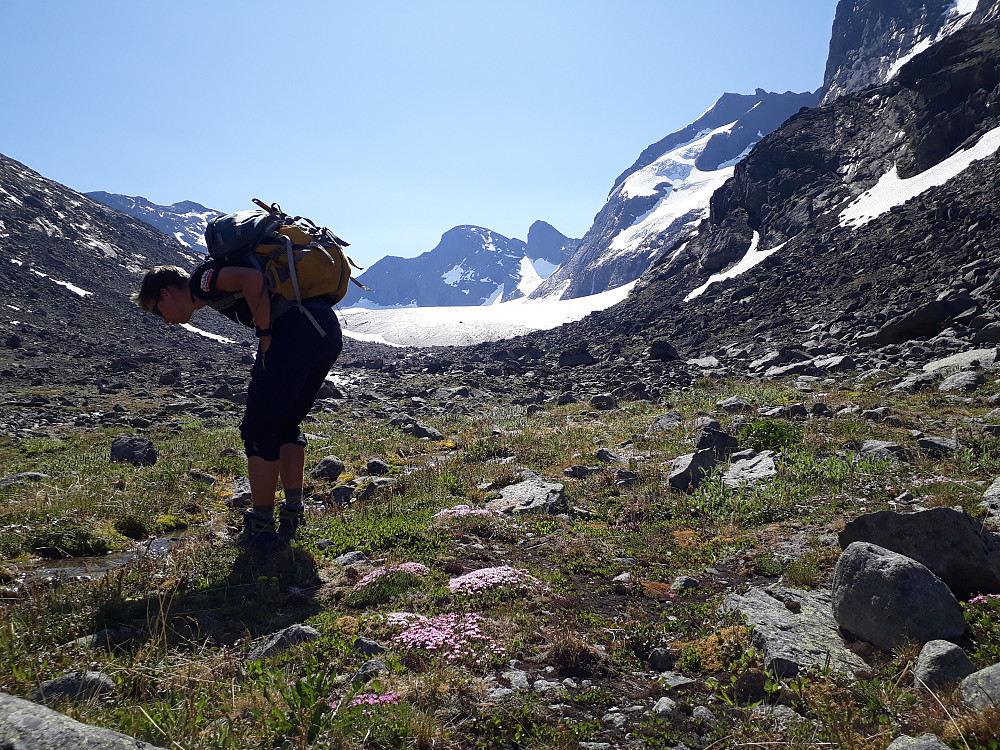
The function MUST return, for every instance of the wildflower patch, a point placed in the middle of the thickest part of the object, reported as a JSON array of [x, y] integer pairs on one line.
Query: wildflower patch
[[453, 638], [499, 581], [385, 583]]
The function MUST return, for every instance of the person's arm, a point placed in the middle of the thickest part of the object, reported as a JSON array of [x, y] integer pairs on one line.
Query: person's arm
[[250, 283]]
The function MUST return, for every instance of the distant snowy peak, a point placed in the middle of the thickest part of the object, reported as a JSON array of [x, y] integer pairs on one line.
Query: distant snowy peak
[[184, 221], [873, 39], [471, 265], [666, 192]]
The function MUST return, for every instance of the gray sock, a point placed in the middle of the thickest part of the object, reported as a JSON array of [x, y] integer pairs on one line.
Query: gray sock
[[293, 499]]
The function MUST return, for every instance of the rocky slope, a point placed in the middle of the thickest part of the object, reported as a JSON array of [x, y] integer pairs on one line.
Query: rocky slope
[[469, 266], [69, 265], [665, 193]]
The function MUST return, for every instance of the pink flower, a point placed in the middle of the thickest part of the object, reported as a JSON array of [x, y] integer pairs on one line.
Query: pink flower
[[481, 580]]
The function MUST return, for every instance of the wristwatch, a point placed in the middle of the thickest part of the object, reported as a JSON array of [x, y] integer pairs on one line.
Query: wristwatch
[[262, 332]]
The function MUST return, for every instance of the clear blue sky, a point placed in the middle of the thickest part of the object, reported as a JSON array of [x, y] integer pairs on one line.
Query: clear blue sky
[[391, 122]]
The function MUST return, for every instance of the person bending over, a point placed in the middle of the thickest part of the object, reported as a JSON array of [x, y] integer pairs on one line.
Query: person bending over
[[292, 361]]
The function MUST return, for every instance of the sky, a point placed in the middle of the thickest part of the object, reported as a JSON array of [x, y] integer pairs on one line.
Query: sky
[[388, 121]]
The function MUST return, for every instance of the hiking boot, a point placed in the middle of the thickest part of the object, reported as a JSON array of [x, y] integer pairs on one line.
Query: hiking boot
[[259, 533], [290, 519]]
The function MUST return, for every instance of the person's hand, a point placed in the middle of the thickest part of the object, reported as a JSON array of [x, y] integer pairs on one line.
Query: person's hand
[[265, 342]]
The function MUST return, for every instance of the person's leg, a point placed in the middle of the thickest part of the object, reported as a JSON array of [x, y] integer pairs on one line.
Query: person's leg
[[292, 466]]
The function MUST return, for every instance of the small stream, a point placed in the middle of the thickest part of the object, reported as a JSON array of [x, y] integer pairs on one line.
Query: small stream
[[93, 568]]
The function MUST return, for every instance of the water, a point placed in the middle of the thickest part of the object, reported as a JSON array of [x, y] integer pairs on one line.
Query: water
[[93, 568]]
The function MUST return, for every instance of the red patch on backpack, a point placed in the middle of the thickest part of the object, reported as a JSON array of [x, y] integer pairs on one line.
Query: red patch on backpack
[[206, 280]]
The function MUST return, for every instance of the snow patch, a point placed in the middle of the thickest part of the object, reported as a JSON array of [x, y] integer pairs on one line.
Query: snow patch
[[530, 280], [207, 334], [109, 250], [752, 258], [891, 190], [72, 287]]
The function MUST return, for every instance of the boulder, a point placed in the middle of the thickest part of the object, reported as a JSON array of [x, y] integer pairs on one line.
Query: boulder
[[962, 382], [940, 665], [991, 503], [663, 350], [937, 446], [282, 640], [687, 471], [794, 638], [715, 440], [735, 405], [923, 742], [886, 599], [665, 422], [76, 686], [533, 495], [883, 449], [28, 726], [329, 467], [954, 546], [576, 357], [133, 450], [981, 689], [747, 471], [925, 320]]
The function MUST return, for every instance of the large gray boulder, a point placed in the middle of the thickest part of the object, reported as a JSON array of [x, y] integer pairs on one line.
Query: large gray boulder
[[687, 471], [940, 665], [954, 546], [886, 599], [981, 689], [533, 495], [749, 471], [28, 726], [794, 630]]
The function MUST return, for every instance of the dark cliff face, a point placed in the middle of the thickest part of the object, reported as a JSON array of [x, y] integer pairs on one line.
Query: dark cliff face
[[870, 37], [624, 239], [841, 280]]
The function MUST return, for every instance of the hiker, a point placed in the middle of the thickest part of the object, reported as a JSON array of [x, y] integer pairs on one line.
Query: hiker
[[293, 359]]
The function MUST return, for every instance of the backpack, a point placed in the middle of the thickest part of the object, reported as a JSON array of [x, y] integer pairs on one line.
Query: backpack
[[299, 259]]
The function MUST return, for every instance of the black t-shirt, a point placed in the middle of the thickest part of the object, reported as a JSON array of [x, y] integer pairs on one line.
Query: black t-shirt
[[203, 286]]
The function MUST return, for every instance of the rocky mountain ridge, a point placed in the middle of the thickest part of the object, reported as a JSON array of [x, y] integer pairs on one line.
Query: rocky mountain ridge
[[665, 192], [469, 266], [184, 221]]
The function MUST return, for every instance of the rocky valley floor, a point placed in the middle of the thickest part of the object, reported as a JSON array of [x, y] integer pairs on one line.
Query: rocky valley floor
[[495, 562]]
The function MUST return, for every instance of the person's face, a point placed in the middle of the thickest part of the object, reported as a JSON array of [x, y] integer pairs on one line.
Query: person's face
[[174, 305]]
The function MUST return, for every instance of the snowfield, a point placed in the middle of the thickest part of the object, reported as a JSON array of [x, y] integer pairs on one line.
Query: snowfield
[[465, 326], [891, 190]]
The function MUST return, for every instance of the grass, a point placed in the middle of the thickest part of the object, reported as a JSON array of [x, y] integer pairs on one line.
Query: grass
[[181, 623]]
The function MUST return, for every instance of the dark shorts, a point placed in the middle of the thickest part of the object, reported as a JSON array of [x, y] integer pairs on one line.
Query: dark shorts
[[284, 382]]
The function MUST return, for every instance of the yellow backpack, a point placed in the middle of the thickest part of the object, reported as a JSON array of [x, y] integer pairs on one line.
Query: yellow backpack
[[299, 259]]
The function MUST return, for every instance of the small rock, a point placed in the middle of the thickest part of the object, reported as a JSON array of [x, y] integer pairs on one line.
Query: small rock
[[940, 665], [282, 640], [664, 706], [923, 742], [75, 686]]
